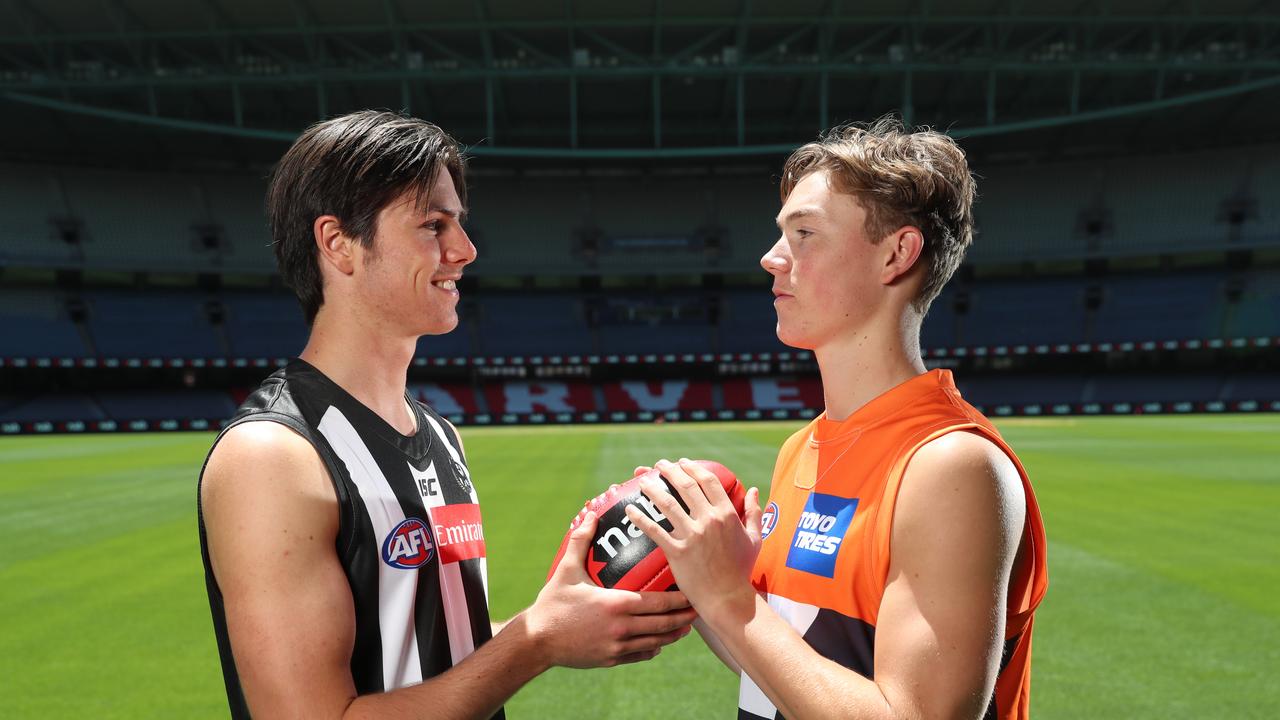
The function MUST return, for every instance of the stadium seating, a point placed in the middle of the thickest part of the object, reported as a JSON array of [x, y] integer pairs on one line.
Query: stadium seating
[[132, 220], [520, 225], [655, 338], [128, 216], [1251, 386], [188, 323], [262, 324], [1049, 310], [1161, 307], [939, 328], [1258, 310], [153, 324], [35, 323], [1021, 389], [35, 211], [1128, 205], [50, 408], [664, 224], [522, 398], [235, 209], [748, 322], [1154, 388], [165, 405], [662, 322], [529, 324], [537, 222]]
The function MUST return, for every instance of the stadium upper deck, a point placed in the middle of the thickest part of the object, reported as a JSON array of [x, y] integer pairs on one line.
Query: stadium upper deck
[[580, 223], [623, 190]]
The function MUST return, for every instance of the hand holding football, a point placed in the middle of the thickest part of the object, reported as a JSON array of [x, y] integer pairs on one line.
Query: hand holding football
[[620, 556]]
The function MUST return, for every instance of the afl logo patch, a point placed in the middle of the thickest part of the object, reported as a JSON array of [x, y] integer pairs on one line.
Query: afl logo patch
[[409, 545], [768, 520]]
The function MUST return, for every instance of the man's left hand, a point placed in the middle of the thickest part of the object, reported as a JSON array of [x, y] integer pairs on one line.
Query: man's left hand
[[710, 551]]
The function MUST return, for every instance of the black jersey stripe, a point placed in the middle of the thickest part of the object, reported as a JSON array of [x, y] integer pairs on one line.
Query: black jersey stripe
[[301, 397], [397, 587]]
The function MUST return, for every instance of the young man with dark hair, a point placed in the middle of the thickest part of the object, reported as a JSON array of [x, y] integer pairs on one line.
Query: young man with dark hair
[[341, 533], [896, 569]]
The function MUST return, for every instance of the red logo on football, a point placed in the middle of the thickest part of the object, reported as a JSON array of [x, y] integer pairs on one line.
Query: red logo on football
[[623, 557]]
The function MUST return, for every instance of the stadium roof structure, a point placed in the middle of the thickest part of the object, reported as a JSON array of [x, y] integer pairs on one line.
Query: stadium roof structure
[[229, 81]]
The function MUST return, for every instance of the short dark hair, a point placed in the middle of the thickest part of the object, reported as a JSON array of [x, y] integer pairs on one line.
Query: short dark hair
[[900, 177], [351, 167]]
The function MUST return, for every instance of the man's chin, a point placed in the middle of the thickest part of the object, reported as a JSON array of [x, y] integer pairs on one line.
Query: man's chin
[[792, 339], [441, 327]]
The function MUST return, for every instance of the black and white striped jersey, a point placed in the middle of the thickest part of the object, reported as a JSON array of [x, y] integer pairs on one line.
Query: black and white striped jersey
[[410, 537]]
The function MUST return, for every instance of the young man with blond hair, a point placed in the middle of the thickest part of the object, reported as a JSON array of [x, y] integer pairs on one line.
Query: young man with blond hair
[[897, 567]]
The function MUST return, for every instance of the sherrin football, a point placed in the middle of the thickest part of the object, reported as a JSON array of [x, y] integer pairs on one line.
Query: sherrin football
[[623, 557]]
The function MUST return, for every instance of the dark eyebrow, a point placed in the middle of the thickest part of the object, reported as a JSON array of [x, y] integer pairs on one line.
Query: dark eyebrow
[[799, 212], [459, 214]]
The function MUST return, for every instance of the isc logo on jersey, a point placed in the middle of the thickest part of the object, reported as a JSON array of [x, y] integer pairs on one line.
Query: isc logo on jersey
[[819, 533], [409, 545]]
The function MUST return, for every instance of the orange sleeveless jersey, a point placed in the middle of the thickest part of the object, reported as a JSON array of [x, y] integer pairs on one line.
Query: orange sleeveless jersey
[[825, 558]]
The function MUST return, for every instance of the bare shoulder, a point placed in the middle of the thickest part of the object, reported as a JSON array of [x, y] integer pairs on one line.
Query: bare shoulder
[[960, 496], [271, 518], [453, 428], [262, 455], [955, 535], [263, 478], [962, 470]]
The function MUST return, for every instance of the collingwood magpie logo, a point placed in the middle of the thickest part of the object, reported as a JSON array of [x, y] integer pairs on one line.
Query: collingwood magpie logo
[[461, 475]]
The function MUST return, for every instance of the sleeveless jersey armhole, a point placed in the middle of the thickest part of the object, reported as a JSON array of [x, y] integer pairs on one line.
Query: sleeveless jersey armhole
[[346, 538], [1027, 584], [454, 435]]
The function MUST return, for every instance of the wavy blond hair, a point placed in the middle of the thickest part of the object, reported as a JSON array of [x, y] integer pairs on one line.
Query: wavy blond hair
[[900, 177]]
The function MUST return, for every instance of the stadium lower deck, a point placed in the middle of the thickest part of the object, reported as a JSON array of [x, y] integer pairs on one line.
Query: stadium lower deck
[[114, 360]]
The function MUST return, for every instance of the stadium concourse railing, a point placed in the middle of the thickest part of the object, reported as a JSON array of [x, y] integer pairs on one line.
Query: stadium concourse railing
[[546, 366], [653, 358]]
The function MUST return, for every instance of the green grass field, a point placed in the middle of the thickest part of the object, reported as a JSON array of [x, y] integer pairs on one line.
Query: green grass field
[[1164, 597]]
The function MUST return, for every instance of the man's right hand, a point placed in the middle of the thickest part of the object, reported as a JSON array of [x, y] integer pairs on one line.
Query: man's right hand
[[578, 624]]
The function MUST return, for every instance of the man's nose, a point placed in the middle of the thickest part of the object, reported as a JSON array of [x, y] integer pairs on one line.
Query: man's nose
[[775, 260], [461, 250]]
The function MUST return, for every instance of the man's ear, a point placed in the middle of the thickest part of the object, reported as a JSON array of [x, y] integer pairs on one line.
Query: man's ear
[[334, 245], [903, 249]]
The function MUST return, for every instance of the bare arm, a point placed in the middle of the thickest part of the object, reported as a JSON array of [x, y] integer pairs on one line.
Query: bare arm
[[956, 529], [272, 519], [716, 646]]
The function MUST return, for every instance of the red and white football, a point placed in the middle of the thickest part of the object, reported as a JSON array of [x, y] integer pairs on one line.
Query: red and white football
[[620, 555]]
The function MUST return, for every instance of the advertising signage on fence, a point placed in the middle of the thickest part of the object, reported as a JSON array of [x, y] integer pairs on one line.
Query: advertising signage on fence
[[645, 416]]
